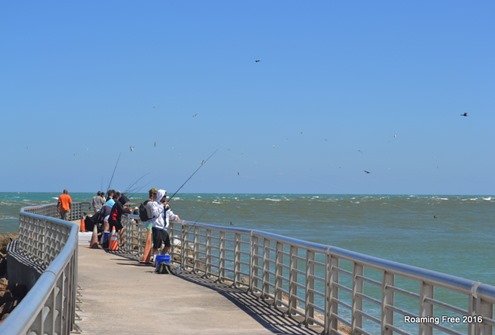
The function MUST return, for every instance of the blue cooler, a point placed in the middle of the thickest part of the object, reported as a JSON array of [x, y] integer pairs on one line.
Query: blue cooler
[[161, 259]]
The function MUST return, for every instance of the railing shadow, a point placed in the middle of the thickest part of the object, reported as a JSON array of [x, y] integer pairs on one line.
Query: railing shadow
[[266, 314]]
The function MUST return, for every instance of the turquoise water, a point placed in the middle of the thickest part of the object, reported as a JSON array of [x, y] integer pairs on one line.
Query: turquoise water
[[450, 234]]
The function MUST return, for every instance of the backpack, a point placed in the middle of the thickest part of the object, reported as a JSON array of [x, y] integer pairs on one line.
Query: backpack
[[143, 212]]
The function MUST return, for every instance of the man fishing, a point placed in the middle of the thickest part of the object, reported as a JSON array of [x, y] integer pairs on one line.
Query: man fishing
[[161, 220]]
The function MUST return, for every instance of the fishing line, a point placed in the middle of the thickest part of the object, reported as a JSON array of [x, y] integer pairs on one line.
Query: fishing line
[[205, 210], [203, 162]]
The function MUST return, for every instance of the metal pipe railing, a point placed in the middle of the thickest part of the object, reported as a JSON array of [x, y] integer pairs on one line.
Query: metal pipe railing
[[339, 290], [51, 244]]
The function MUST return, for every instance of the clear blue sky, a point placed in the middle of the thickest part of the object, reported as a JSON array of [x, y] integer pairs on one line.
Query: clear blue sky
[[341, 87]]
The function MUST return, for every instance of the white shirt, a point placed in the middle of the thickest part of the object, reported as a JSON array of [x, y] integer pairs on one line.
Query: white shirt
[[157, 214]]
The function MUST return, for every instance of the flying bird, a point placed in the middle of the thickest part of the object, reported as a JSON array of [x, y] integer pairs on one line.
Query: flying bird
[[464, 114], [131, 148], [257, 60], [368, 172], [195, 115]]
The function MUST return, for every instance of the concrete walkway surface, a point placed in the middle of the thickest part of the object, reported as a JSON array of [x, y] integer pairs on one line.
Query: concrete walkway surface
[[118, 295]]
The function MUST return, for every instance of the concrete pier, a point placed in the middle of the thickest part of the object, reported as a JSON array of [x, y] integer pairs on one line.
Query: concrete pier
[[121, 296]]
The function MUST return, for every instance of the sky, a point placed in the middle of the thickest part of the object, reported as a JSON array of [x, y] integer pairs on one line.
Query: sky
[[312, 97]]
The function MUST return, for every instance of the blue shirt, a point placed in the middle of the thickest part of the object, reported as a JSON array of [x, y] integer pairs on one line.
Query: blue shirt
[[110, 203]]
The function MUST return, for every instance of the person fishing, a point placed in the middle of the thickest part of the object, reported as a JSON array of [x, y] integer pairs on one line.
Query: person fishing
[[115, 217], [161, 220]]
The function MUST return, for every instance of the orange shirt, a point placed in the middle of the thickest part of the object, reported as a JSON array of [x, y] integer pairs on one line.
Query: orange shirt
[[65, 202]]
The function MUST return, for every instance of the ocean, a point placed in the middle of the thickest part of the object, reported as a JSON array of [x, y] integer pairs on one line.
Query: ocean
[[453, 234]]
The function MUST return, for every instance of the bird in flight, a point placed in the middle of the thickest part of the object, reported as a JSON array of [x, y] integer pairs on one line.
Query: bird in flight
[[257, 60], [131, 148], [367, 172], [464, 114]]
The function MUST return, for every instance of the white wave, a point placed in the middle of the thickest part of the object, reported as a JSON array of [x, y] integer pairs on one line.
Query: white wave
[[7, 217], [271, 199]]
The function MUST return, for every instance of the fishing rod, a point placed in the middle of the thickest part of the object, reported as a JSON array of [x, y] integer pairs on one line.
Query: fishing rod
[[115, 168], [203, 162], [133, 189]]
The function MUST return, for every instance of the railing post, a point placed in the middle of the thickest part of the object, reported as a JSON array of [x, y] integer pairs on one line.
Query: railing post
[[254, 268], [72, 287], [208, 253], [387, 302], [293, 280], [61, 295], [479, 310], [486, 311], [237, 259], [221, 263], [425, 308], [279, 260], [185, 245], [43, 242], [310, 287], [331, 293], [357, 297], [266, 268], [196, 249]]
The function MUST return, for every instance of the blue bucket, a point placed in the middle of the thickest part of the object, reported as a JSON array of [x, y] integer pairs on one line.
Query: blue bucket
[[160, 259]]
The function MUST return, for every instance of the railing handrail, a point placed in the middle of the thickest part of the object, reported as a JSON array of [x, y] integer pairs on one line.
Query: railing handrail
[[56, 285], [324, 285], [379, 263]]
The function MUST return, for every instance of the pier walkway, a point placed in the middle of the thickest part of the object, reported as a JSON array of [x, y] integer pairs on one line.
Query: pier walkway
[[121, 296]]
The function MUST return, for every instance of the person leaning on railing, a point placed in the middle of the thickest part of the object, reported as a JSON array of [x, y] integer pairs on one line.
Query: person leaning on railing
[[115, 218]]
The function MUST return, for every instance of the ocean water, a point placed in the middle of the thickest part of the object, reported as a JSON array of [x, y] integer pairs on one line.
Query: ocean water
[[450, 234]]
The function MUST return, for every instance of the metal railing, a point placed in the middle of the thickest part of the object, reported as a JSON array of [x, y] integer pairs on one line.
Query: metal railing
[[341, 291], [50, 245]]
